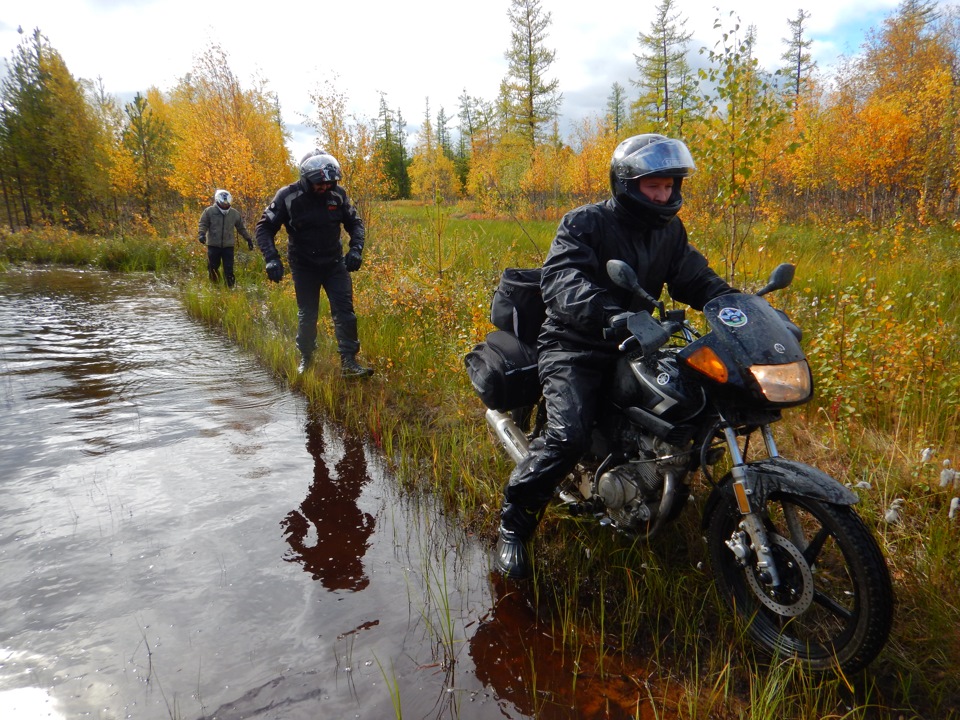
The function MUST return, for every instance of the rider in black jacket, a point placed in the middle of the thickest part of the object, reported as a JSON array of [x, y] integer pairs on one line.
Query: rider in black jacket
[[313, 210], [638, 225]]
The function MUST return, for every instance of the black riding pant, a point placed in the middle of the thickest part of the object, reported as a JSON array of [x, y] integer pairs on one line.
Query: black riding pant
[[571, 383], [216, 255], [335, 281]]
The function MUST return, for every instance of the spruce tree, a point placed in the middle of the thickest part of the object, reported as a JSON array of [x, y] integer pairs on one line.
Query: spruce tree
[[530, 101]]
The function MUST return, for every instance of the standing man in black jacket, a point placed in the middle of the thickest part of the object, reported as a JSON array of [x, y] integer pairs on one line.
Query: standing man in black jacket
[[313, 210], [638, 225]]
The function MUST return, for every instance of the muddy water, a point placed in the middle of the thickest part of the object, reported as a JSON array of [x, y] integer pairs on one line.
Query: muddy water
[[181, 537]]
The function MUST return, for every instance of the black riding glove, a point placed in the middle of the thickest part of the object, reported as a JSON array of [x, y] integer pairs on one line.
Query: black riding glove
[[353, 260], [616, 328], [202, 239], [275, 270]]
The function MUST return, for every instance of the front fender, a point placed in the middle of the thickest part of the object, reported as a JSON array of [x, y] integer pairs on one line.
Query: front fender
[[779, 475]]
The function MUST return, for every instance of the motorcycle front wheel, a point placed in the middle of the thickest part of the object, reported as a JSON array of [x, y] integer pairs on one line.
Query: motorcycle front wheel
[[833, 606]]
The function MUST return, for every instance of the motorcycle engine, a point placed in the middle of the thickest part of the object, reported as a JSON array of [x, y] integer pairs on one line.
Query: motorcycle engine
[[631, 492]]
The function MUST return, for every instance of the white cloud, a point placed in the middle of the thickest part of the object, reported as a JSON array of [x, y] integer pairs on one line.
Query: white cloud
[[410, 51]]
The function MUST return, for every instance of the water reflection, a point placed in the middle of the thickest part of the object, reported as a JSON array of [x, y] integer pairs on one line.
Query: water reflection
[[522, 659], [330, 534], [505, 643], [144, 572]]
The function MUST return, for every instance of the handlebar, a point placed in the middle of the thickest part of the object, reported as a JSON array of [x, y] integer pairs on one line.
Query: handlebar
[[671, 326], [643, 330]]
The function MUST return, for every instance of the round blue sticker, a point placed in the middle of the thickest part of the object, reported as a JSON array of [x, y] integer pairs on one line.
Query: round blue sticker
[[733, 317]]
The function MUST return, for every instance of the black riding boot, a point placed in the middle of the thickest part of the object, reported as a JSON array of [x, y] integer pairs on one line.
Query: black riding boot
[[305, 359], [350, 368], [517, 525]]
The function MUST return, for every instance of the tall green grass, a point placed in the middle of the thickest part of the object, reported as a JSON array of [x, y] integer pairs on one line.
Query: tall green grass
[[880, 317], [45, 245]]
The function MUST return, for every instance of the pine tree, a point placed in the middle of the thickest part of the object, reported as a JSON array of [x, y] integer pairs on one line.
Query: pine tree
[[665, 81], [391, 149], [529, 101], [148, 140], [55, 151], [800, 64], [617, 107], [443, 133], [474, 133]]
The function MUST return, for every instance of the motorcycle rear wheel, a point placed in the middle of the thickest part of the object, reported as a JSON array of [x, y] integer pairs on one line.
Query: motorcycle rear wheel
[[834, 610]]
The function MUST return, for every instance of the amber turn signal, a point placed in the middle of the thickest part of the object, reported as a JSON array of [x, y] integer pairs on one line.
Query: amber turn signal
[[706, 361]]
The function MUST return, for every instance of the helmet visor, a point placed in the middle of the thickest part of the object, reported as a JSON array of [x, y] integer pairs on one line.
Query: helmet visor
[[665, 157], [320, 169]]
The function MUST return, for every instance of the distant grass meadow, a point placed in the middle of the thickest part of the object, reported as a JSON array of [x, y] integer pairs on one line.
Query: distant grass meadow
[[880, 312]]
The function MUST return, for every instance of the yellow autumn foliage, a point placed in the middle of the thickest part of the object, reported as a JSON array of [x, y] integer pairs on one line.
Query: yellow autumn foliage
[[226, 137]]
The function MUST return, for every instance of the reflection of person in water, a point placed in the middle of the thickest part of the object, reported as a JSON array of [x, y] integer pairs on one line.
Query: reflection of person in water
[[525, 664], [342, 529], [504, 643]]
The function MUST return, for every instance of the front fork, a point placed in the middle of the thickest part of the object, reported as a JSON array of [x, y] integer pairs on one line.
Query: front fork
[[751, 524]]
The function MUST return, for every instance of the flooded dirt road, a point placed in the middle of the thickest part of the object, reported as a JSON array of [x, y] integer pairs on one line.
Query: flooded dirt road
[[180, 537]]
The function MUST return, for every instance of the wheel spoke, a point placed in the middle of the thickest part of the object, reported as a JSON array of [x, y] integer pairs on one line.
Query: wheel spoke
[[812, 551], [792, 519], [831, 605]]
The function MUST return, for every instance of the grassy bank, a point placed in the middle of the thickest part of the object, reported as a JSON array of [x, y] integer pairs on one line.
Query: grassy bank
[[880, 315]]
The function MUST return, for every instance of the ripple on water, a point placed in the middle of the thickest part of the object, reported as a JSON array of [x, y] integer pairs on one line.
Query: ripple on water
[[173, 518]]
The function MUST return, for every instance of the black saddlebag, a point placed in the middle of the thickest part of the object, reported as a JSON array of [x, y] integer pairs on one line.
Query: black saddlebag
[[503, 371], [517, 304]]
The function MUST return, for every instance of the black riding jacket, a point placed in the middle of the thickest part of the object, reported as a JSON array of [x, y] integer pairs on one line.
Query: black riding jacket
[[313, 225], [580, 296]]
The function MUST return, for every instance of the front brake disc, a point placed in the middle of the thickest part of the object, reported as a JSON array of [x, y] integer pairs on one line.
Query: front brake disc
[[795, 593]]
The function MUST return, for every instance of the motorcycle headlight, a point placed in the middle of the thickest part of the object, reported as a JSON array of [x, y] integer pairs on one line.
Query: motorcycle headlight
[[784, 383]]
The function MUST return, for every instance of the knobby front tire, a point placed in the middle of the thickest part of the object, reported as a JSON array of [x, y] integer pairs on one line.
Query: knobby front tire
[[834, 611]]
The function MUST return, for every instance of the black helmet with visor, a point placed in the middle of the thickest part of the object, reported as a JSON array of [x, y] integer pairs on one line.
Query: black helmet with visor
[[319, 167], [649, 155]]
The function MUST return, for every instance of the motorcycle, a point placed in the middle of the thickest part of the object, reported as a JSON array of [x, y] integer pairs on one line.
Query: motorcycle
[[789, 554]]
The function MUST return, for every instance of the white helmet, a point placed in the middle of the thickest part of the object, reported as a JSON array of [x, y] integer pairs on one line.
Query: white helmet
[[222, 198]]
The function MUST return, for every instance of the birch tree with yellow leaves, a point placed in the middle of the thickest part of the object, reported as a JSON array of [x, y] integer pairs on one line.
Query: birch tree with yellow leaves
[[882, 142], [433, 177], [353, 142], [226, 136]]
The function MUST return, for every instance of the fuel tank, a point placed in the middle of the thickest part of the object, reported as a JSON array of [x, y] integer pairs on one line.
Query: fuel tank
[[656, 385]]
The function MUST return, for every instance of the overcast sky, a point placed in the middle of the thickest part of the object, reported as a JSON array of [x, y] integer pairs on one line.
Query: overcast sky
[[411, 50]]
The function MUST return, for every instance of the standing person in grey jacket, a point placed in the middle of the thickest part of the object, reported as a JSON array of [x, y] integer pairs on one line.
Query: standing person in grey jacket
[[218, 224], [313, 210]]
